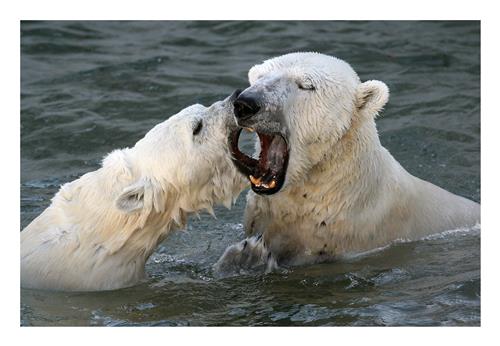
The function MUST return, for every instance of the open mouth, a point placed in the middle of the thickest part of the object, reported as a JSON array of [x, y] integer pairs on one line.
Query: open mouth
[[267, 174]]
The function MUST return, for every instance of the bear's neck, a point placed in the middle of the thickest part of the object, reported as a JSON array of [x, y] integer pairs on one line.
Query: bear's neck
[[348, 176], [121, 247]]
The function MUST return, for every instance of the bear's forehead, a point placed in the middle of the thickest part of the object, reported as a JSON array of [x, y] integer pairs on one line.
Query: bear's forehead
[[313, 65], [194, 110], [305, 61], [185, 117]]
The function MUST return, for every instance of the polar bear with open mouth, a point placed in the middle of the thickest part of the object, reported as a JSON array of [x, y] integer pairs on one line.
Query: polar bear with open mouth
[[323, 185], [100, 229]]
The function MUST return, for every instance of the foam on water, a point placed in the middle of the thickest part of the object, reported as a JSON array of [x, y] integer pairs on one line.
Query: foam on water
[[464, 231], [474, 230]]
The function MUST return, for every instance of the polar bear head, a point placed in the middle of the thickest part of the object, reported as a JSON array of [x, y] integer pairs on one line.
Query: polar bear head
[[183, 161], [300, 105], [101, 228]]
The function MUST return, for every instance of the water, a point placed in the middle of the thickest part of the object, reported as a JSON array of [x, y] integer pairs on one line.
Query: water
[[90, 87]]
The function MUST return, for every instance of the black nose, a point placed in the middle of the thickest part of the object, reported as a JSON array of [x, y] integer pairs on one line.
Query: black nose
[[245, 107], [235, 94]]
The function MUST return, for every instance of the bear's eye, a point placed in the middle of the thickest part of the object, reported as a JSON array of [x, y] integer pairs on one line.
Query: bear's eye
[[198, 127], [305, 86]]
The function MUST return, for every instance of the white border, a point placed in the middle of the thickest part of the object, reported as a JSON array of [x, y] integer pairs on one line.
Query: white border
[[249, 9], [255, 9]]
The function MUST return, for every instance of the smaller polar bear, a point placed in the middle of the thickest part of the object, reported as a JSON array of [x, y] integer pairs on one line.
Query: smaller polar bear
[[323, 185], [100, 229]]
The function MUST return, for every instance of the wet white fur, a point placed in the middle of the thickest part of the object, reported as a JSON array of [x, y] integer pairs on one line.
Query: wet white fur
[[344, 192], [100, 229]]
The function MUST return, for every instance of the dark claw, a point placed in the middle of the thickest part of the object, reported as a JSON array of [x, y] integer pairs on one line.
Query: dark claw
[[245, 244]]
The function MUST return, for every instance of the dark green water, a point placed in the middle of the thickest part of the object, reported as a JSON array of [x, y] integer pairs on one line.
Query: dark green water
[[90, 87]]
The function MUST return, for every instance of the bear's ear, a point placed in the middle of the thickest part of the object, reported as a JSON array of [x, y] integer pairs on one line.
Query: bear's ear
[[132, 197], [142, 195], [371, 97]]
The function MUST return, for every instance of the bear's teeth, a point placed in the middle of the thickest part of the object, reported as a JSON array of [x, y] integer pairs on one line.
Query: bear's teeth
[[249, 129], [271, 185], [258, 182], [255, 181]]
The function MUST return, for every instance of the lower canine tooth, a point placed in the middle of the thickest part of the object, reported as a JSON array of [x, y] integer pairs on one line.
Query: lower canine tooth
[[255, 181], [272, 184]]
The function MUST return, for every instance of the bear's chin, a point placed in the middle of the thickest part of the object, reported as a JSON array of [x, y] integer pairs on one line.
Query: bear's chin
[[267, 174]]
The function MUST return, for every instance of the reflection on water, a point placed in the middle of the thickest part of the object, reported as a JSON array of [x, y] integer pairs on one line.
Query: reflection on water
[[90, 87]]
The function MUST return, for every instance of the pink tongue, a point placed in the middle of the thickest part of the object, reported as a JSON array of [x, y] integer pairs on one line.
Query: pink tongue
[[275, 158]]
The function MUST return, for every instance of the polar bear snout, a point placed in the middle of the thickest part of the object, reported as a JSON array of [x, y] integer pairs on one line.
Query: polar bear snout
[[245, 106], [235, 95], [254, 111]]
